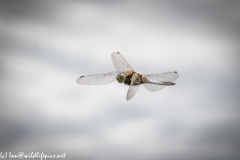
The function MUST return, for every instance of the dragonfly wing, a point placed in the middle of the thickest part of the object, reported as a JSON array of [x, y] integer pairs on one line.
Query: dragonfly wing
[[162, 77], [98, 79], [120, 63], [159, 78], [132, 91], [153, 87], [134, 86]]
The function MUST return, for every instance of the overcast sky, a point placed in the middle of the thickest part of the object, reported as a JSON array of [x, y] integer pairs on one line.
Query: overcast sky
[[46, 45]]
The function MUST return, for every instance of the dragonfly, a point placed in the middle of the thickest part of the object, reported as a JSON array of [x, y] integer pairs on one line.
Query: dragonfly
[[125, 74]]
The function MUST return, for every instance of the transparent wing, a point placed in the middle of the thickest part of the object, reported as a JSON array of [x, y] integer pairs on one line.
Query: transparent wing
[[120, 63], [153, 87], [132, 91], [98, 79], [162, 77], [135, 83], [159, 78]]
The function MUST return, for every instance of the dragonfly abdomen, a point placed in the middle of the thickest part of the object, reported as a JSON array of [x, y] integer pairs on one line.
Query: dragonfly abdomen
[[168, 83], [165, 83]]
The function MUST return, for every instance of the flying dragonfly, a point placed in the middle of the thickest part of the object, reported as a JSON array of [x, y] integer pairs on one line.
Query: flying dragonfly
[[127, 75]]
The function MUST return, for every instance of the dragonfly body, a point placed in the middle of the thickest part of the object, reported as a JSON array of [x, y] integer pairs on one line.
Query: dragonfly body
[[127, 75], [141, 79]]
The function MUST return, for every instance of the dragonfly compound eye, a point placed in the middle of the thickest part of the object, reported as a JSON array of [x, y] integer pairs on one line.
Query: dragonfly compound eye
[[121, 77]]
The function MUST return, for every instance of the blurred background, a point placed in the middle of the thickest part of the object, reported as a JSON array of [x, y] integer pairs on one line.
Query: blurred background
[[46, 45]]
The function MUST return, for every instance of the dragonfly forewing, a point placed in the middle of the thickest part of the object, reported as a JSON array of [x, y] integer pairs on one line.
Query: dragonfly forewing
[[120, 62], [98, 79]]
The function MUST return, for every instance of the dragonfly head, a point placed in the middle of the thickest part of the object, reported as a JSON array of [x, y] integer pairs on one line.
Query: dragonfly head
[[121, 77]]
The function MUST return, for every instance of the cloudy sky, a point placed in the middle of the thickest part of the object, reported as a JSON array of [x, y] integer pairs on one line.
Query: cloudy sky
[[46, 45]]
